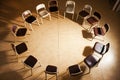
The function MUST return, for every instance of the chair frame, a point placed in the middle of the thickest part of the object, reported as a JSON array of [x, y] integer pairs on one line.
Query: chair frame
[[74, 74], [86, 7], [104, 28], [31, 68], [96, 16], [43, 7], [29, 13], [53, 6], [14, 45], [51, 73], [14, 30], [70, 2]]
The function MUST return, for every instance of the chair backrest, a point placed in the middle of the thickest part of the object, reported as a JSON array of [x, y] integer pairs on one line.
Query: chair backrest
[[52, 3], [40, 7], [105, 48], [106, 26], [88, 8], [70, 2], [26, 14], [96, 14], [14, 28], [70, 6]]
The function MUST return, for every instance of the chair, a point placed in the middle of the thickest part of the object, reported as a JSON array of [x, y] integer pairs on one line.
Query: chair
[[75, 70], [94, 19], [20, 48], [92, 60], [18, 31], [100, 31], [70, 8], [29, 18], [101, 48], [52, 70], [53, 6], [86, 12], [42, 12], [30, 62]]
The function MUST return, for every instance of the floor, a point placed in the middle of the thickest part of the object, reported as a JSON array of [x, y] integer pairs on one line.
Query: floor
[[61, 42]]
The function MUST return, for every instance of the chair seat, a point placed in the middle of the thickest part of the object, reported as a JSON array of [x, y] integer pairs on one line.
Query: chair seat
[[21, 32], [43, 13], [52, 9], [30, 61], [90, 61], [83, 13], [30, 19], [21, 48], [92, 20], [74, 70], [50, 69]]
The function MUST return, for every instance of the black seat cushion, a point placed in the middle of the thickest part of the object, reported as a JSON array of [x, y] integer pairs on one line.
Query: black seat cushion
[[53, 8], [92, 20], [21, 32], [21, 48], [90, 61], [51, 69], [83, 13], [30, 61], [30, 19], [74, 69]]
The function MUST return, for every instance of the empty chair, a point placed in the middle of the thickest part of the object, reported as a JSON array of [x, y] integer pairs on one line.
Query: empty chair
[[18, 31], [86, 12], [75, 70], [92, 60], [94, 19], [53, 6], [70, 8], [19, 48], [51, 70], [42, 12], [101, 48], [101, 31], [29, 18], [30, 62]]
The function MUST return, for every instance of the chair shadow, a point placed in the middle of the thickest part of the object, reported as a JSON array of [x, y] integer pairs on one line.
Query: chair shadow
[[87, 51], [11, 75], [6, 58], [87, 35]]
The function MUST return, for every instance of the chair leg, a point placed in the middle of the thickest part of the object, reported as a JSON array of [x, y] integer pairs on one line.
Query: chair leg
[[56, 77], [45, 76], [38, 22], [64, 15], [41, 20], [72, 16], [31, 72], [50, 17], [31, 27], [58, 14]]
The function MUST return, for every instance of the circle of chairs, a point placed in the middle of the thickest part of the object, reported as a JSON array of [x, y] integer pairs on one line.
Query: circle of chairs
[[86, 14]]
